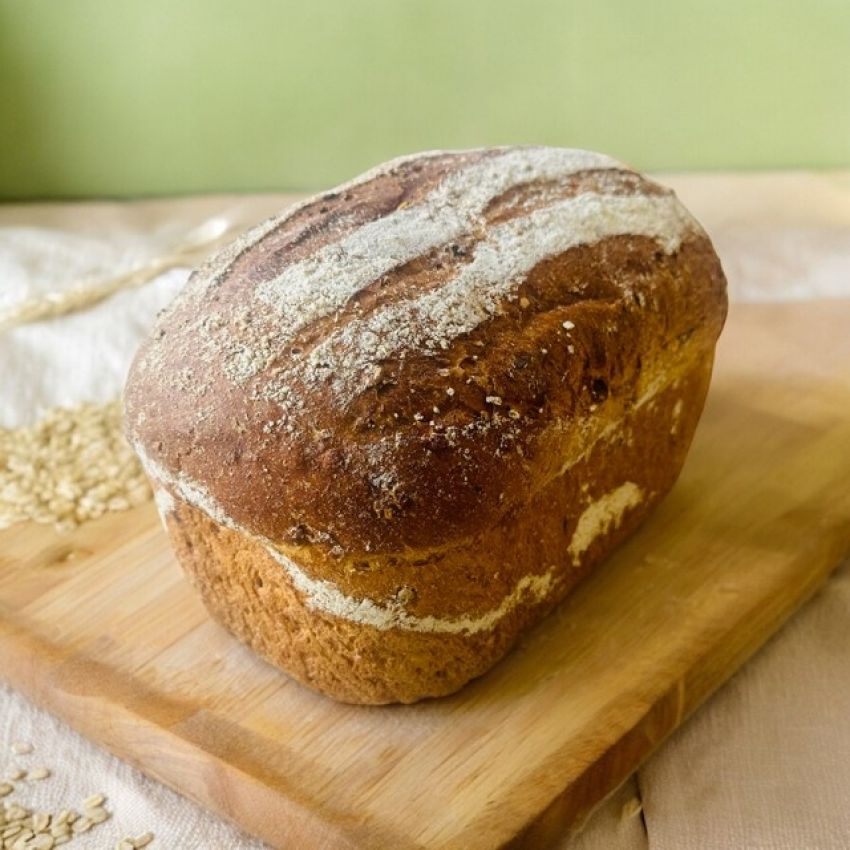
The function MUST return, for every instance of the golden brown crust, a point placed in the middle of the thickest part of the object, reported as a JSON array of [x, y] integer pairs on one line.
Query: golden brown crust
[[363, 476], [249, 593]]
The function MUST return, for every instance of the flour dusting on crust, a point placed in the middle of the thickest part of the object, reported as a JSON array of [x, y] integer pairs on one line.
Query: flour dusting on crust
[[253, 340], [603, 515], [432, 321], [164, 504], [318, 286]]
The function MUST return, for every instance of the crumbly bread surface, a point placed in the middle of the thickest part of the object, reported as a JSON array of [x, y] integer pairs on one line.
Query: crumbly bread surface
[[416, 409]]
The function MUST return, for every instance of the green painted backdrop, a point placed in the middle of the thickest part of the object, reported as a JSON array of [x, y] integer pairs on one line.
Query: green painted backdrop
[[138, 97]]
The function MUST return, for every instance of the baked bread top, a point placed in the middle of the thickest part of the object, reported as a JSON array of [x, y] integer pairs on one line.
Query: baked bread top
[[397, 363]]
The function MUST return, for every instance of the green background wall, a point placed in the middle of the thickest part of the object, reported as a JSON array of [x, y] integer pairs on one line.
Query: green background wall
[[139, 97]]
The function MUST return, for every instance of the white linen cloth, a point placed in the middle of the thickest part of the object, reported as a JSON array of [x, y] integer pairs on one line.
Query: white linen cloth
[[83, 356], [765, 765]]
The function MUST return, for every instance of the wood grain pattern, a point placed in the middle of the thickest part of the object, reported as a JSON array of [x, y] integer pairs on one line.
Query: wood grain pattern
[[101, 628]]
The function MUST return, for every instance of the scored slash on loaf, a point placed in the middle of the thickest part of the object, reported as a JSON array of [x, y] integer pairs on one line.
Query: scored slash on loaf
[[390, 428]]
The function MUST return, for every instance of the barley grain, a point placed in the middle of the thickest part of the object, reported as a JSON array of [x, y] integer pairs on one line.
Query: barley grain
[[97, 814], [40, 821], [38, 774], [72, 466], [84, 824]]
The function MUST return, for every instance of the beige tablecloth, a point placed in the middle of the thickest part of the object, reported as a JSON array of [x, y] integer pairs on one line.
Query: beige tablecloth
[[765, 764]]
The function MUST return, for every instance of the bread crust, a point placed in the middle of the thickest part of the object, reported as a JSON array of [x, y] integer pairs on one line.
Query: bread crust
[[245, 589], [417, 442]]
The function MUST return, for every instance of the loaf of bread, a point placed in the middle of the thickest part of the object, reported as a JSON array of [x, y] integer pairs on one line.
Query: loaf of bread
[[392, 427]]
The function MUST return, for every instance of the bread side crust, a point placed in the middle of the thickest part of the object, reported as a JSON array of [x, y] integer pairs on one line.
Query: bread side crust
[[367, 587], [246, 589]]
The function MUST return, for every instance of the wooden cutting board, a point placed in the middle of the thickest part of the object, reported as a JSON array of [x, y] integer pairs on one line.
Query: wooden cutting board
[[101, 628]]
